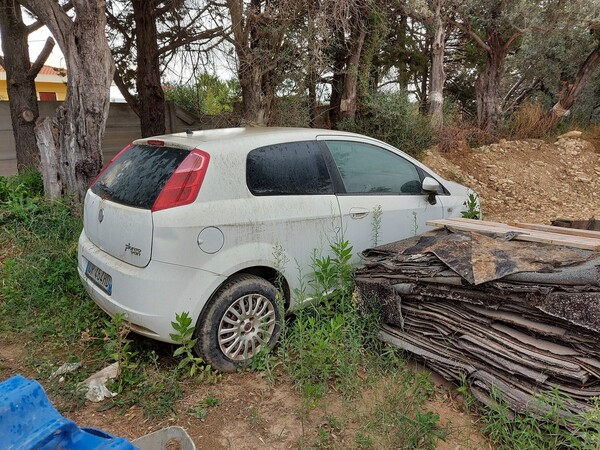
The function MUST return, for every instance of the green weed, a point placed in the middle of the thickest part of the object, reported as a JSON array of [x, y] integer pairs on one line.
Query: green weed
[[192, 365], [473, 210], [548, 424], [400, 420], [200, 411]]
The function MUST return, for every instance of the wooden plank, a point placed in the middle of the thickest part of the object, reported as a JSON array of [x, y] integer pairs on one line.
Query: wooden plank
[[559, 230], [523, 235]]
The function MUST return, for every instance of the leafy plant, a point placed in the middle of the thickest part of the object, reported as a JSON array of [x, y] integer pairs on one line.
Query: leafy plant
[[191, 364], [200, 411], [119, 349], [376, 224], [473, 210]]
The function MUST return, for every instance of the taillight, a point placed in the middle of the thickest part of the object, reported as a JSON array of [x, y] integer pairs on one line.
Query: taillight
[[113, 159], [184, 185]]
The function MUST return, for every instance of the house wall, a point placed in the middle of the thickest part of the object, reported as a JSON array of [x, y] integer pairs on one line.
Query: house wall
[[44, 86]]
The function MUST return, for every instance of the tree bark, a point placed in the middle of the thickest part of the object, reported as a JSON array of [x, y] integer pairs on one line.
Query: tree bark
[[82, 117], [337, 85], [151, 98], [438, 76], [488, 83], [348, 104], [20, 81], [571, 92]]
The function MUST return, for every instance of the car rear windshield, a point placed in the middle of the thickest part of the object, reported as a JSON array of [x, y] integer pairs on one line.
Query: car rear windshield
[[138, 175]]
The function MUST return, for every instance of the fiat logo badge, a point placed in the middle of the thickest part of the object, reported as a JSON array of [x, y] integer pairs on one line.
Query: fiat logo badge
[[101, 215]]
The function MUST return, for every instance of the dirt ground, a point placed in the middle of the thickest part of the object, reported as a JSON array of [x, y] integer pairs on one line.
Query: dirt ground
[[533, 181], [528, 181]]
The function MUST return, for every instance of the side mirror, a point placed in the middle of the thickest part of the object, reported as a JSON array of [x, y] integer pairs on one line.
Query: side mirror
[[430, 185]]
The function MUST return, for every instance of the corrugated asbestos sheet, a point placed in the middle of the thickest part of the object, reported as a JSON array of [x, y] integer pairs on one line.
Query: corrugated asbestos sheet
[[519, 317]]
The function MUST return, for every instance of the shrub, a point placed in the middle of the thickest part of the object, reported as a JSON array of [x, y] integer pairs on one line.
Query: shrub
[[393, 118]]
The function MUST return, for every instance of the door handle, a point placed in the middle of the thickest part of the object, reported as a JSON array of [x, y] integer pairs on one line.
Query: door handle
[[359, 213]]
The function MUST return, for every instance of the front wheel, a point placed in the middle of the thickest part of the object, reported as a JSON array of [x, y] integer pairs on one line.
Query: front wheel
[[242, 318]]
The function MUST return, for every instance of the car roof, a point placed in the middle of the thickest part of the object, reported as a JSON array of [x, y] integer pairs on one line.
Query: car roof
[[243, 138]]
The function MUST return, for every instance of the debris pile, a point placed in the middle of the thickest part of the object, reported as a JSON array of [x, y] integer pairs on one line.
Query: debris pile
[[509, 315]]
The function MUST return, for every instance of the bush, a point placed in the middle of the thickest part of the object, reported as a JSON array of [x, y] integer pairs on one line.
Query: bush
[[393, 118]]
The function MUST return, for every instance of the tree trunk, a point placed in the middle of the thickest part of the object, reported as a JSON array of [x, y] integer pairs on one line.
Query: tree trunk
[[20, 81], [151, 99], [311, 81], [82, 117], [337, 85], [257, 108], [403, 72], [438, 77], [571, 92], [487, 86], [348, 102]]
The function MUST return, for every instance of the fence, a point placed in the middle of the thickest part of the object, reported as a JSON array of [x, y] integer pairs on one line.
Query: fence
[[122, 126]]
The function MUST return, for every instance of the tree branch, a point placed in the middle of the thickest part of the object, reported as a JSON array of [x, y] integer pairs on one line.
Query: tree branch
[[176, 43], [472, 34], [168, 6], [514, 37], [41, 59], [129, 98], [38, 24]]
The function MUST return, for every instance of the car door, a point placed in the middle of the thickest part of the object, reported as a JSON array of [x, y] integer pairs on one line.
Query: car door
[[381, 200]]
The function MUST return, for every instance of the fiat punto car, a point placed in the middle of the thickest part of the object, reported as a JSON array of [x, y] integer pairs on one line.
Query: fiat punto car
[[189, 223]]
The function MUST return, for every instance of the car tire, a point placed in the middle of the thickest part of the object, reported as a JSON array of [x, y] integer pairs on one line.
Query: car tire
[[239, 320]]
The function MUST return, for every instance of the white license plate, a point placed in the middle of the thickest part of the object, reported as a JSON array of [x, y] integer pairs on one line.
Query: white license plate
[[99, 277]]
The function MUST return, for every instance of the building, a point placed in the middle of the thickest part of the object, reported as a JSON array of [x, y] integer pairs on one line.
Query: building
[[50, 84]]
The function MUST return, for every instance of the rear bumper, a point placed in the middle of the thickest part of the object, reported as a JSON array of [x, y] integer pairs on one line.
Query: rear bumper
[[151, 296]]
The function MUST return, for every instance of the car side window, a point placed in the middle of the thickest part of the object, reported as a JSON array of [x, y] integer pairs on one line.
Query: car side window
[[369, 169], [293, 168]]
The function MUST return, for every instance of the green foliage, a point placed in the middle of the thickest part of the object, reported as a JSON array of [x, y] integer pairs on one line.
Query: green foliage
[[400, 419], [119, 349], [191, 364], [547, 425], [473, 210], [330, 341], [43, 303], [393, 118], [322, 344], [41, 293], [210, 95], [200, 411]]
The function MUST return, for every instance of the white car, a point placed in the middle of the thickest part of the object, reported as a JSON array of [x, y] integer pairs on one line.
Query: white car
[[189, 222]]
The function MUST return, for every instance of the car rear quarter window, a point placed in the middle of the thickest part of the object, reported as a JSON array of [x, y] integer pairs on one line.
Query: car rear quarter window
[[293, 168], [139, 175]]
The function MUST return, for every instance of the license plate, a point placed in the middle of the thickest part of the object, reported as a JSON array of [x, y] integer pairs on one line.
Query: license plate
[[99, 277]]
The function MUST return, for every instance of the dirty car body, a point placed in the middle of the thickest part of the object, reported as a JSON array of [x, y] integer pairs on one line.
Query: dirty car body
[[205, 222]]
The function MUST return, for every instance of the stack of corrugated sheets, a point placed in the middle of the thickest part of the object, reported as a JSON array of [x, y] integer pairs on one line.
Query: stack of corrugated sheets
[[512, 308]]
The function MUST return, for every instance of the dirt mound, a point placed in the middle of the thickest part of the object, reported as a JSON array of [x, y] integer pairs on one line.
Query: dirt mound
[[528, 180]]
